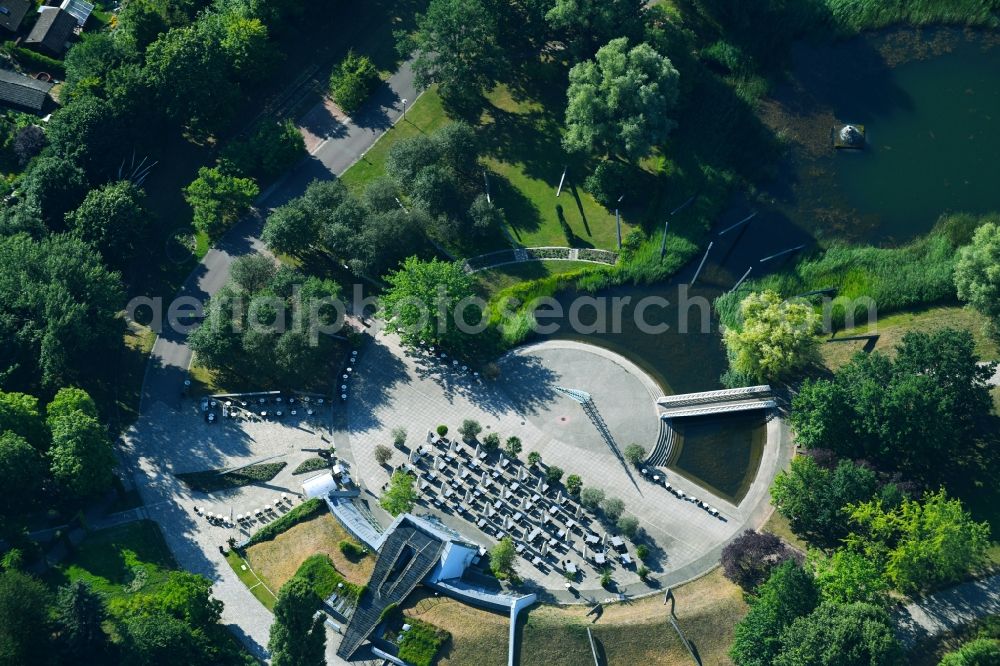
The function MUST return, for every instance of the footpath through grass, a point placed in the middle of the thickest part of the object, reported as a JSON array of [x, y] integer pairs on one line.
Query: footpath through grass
[[638, 632]]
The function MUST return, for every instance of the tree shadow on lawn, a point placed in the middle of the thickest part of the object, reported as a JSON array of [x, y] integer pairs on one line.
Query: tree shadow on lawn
[[531, 139], [521, 212]]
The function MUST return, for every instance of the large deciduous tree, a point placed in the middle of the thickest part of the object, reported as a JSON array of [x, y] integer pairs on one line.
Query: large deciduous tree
[[400, 495], [81, 456], [426, 300], [298, 637], [977, 274], [457, 48], [789, 593], [813, 498], [219, 199], [620, 102], [24, 620], [749, 559], [586, 24], [835, 634], [921, 544], [112, 219], [777, 337]]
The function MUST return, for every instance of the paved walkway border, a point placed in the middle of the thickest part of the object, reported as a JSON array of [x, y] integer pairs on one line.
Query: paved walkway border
[[546, 253]]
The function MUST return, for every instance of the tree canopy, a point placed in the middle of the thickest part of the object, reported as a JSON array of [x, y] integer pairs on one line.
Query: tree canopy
[[426, 300], [400, 496], [112, 219], [219, 199], [749, 559], [977, 274], [920, 544], [834, 634], [619, 102], [777, 337], [297, 637]]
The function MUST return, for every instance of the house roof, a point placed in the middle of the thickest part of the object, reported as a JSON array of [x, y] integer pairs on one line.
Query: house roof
[[12, 13], [23, 91], [52, 30], [78, 9]]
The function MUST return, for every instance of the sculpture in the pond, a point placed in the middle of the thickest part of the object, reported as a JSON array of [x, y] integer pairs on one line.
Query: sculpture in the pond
[[849, 136]]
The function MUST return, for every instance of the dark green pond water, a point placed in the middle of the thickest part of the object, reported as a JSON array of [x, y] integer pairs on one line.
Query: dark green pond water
[[930, 104]]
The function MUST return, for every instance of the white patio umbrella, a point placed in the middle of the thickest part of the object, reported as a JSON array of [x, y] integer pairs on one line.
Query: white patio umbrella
[[545, 548]]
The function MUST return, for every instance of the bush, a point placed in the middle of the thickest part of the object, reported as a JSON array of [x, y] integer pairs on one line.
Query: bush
[[613, 508], [311, 465], [643, 571], [606, 580], [214, 480], [635, 454], [979, 652], [353, 81], [628, 525], [573, 484], [322, 576], [382, 454], [748, 559], [442, 430], [398, 437], [351, 550], [470, 429], [591, 498], [419, 645], [300, 514], [272, 149], [491, 442], [609, 181], [553, 474], [642, 551]]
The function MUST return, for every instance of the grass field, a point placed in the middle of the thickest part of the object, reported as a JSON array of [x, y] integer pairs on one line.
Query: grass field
[[891, 329], [249, 577], [479, 637], [638, 632], [277, 560], [777, 524], [495, 279], [113, 560]]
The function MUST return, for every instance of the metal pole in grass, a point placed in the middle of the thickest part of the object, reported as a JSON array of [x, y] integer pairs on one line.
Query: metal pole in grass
[[486, 178], [743, 221], [663, 245], [559, 189], [618, 222], [698, 272], [403, 115], [737, 285], [782, 253]]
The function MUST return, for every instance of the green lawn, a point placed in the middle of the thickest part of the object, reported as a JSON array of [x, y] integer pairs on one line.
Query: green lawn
[[249, 578], [495, 279], [892, 328], [118, 560]]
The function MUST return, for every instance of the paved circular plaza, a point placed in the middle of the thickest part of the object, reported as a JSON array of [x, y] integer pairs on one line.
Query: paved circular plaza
[[394, 387]]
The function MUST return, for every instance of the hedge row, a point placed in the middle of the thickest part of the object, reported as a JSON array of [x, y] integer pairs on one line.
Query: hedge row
[[300, 514], [214, 480]]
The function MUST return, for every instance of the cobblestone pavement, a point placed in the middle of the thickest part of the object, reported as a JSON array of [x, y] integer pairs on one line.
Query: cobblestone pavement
[[419, 391]]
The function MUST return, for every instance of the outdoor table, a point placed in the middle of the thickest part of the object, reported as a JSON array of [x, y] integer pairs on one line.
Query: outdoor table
[[593, 538], [536, 497], [482, 455], [561, 533], [481, 523], [497, 504], [545, 487], [570, 567], [495, 474], [570, 524], [519, 548], [504, 462], [537, 561], [626, 559], [599, 558], [553, 541], [515, 486], [668, 486], [656, 478], [617, 541], [517, 516], [534, 534]]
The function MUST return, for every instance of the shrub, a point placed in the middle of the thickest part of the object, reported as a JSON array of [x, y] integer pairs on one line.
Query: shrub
[[419, 646], [353, 81], [398, 437], [470, 429], [979, 652], [311, 465], [591, 498], [748, 559], [491, 442], [299, 514], [512, 446], [573, 484], [322, 576], [606, 580], [351, 550], [609, 181], [642, 551], [382, 454], [214, 480], [612, 508], [635, 454], [643, 571], [442, 430], [534, 458], [628, 525], [553, 474], [270, 150]]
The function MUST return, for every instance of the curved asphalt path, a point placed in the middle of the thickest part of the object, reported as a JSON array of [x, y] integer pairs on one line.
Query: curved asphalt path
[[343, 141], [346, 141]]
